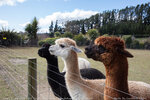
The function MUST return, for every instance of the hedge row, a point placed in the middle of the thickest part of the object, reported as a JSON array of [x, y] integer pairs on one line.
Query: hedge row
[[47, 40], [91, 35], [132, 43], [80, 40]]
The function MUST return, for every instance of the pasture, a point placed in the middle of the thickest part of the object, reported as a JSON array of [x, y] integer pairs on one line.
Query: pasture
[[16, 60]]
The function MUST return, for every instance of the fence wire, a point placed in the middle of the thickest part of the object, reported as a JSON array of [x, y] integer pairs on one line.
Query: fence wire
[[16, 76]]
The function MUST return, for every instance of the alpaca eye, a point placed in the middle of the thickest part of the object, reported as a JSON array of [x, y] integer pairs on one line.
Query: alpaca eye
[[101, 49], [61, 45]]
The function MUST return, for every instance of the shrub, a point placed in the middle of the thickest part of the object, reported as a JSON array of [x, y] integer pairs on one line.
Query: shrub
[[81, 40], [128, 40], [9, 37], [47, 40], [147, 44], [41, 42], [141, 45], [57, 34], [68, 34], [106, 35], [93, 34], [135, 44]]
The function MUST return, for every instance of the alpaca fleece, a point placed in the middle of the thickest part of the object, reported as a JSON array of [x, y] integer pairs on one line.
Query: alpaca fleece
[[111, 51]]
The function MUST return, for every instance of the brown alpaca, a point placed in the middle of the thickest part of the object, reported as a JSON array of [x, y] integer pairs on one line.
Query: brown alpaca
[[111, 51]]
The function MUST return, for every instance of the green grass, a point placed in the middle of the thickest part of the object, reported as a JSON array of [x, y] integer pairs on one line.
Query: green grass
[[5, 91], [139, 66]]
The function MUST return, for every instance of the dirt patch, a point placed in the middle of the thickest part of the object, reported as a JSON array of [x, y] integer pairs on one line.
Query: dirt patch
[[18, 61]]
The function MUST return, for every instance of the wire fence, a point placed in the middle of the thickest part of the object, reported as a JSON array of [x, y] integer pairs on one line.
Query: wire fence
[[14, 70]]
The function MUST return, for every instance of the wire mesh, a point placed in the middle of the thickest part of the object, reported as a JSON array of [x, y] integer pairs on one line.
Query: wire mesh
[[16, 75]]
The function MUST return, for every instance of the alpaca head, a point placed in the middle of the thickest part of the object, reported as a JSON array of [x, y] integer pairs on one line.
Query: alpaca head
[[44, 51], [106, 49], [63, 47]]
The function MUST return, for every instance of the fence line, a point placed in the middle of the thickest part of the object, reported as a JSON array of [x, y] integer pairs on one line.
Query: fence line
[[88, 87], [15, 71], [14, 78], [94, 90], [78, 82], [41, 61]]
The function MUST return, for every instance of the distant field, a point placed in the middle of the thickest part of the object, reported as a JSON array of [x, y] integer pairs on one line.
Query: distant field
[[139, 66]]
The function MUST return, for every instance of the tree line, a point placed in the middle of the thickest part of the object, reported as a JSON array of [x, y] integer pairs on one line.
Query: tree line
[[133, 20]]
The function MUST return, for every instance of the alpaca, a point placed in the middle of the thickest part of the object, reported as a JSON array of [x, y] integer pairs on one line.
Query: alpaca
[[56, 78], [78, 88], [83, 63], [111, 51]]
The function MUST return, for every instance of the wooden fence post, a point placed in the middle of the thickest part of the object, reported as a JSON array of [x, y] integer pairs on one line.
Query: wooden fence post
[[32, 79]]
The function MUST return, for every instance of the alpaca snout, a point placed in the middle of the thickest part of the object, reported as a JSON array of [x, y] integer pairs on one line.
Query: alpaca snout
[[88, 51], [51, 49], [40, 52]]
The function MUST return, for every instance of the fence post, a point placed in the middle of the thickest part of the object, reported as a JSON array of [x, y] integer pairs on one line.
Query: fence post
[[32, 79]]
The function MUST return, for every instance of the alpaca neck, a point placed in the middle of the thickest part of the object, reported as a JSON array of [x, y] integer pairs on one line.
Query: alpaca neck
[[52, 68], [72, 68], [116, 77]]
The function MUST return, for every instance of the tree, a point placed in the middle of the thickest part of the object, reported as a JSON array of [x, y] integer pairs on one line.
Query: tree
[[73, 27], [32, 30], [83, 29], [35, 27], [28, 29], [56, 26], [51, 29], [130, 20]]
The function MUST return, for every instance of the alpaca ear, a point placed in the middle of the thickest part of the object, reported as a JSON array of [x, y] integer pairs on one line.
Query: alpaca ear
[[77, 50], [125, 53]]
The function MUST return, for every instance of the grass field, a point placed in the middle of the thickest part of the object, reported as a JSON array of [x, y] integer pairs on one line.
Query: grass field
[[139, 66], [5, 91]]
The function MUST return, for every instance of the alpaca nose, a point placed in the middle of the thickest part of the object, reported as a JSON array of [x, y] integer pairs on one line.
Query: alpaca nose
[[40, 52], [51, 48]]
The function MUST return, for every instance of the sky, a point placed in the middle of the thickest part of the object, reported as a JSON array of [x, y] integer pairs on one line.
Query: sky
[[16, 14]]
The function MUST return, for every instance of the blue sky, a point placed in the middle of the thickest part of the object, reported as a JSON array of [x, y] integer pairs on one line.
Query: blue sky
[[15, 14]]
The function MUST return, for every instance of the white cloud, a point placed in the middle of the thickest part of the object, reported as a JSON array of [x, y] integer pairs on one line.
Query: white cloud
[[3, 23], [65, 16], [62, 17], [10, 2], [23, 25]]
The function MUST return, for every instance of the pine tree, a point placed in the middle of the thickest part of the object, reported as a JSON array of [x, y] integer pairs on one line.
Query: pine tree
[[83, 29], [51, 27], [51, 30], [56, 26]]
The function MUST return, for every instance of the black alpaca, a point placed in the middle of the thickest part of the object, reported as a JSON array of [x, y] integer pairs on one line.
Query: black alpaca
[[56, 78]]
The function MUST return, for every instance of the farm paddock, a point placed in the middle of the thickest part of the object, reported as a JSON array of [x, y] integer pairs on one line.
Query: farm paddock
[[14, 65]]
